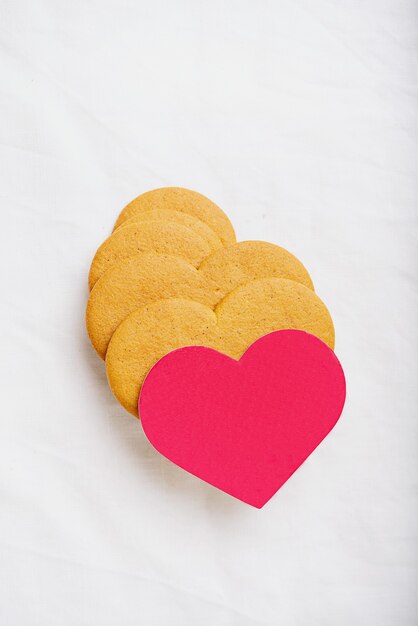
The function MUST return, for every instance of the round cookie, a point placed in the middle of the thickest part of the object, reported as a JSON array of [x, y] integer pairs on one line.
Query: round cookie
[[148, 334], [247, 313], [262, 306], [185, 201], [184, 219], [136, 281], [159, 237], [252, 260]]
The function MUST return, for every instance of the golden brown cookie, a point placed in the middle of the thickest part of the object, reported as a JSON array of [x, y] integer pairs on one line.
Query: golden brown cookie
[[244, 315], [136, 281], [159, 237], [166, 215], [148, 334], [262, 306], [252, 260], [185, 201]]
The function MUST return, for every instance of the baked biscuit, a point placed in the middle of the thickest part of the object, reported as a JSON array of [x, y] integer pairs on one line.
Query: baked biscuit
[[150, 236], [186, 201]]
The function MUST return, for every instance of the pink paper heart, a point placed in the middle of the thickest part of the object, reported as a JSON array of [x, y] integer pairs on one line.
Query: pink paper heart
[[244, 426]]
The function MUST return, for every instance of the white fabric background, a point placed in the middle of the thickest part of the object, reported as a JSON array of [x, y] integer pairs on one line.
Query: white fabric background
[[299, 119]]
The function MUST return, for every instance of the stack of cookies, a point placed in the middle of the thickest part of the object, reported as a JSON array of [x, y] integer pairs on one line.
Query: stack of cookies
[[172, 275]]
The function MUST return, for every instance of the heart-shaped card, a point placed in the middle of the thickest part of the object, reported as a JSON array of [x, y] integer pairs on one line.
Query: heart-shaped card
[[244, 426]]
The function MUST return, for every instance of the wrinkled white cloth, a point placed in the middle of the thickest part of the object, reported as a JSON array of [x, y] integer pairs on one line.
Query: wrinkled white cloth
[[300, 120]]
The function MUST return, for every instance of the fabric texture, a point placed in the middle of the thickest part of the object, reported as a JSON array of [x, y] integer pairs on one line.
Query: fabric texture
[[299, 119]]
